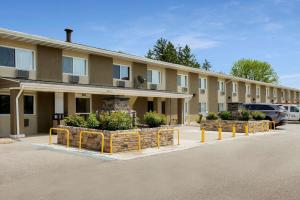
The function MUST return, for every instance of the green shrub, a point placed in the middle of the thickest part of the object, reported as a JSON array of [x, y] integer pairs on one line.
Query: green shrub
[[258, 115], [154, 119], [200, 117], [225, 115], [115, 121], [245, 115], [211, 116], [75, 120], [92, 121]]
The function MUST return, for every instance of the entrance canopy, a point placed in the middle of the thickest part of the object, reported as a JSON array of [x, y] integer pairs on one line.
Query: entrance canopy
[[44, 86]]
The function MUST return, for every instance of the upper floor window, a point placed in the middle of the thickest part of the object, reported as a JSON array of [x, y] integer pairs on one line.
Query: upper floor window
[[74, 66], [267, 92], [221, 86], [121, 72], [248, 90], [16, 57], [257, 91], [154, 76], [282, 94], [182, 80], [202, 83], [234, 87], [274, 93]]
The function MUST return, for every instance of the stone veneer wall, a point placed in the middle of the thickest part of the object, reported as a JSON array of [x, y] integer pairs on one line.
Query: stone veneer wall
[[254, 126], [121, 143]]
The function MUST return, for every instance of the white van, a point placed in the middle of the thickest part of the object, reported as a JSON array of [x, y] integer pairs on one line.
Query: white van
[[293, 112]]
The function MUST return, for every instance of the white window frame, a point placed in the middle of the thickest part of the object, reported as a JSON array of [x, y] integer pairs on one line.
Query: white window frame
[[234, 87], [221, 86], [182, 77], [201, 103], [223, 106], [86, 65], [267, 92], [203, 83], [129, 67], [24, 49], [257, 91], [160, 76]]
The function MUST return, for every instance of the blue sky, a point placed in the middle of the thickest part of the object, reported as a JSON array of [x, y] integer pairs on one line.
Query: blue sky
[[221, 31]]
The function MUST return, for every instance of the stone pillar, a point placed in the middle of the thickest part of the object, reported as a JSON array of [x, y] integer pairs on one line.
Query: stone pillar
[[13, 118], [69, 103]]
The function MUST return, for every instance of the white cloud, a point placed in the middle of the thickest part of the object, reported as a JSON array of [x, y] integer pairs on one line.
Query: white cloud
[[195, 42]]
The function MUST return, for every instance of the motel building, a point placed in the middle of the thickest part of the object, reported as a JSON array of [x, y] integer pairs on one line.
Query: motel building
[[42, 79]]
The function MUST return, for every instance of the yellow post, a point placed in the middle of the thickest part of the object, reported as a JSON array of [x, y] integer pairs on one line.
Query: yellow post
[[50, 136], [233, 130], [110, 144], [246, 129], [95, 133], [178, 136], [219, 133], [202, 135], [59, 129]]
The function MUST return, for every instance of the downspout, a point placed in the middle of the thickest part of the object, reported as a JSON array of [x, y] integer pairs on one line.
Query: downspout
[[17, 110]]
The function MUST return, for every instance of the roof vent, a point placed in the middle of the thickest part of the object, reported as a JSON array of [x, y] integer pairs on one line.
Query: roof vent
[[68, 34]]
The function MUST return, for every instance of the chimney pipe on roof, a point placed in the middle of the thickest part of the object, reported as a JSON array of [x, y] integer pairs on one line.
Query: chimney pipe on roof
[[68, 34]]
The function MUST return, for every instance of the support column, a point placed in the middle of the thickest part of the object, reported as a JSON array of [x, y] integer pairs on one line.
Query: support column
[[13, 113], [171, 111], [180, 110], [69, 103], [157, 104]]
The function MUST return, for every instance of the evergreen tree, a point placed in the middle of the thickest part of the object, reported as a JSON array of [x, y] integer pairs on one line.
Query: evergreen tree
[[206, 65]]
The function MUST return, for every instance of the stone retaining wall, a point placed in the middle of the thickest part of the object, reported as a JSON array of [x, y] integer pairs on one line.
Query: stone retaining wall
[[121, 142], [254, 126]]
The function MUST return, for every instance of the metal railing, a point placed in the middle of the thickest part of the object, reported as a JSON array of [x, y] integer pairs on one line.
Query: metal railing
[[125, 133], [94, 133], [165, 130], [66, 131]]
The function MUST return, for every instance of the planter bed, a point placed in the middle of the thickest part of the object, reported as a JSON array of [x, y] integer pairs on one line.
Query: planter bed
[[121, 143], [254, 126]]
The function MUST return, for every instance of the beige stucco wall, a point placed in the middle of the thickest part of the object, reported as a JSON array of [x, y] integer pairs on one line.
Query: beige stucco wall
[[5, 125]]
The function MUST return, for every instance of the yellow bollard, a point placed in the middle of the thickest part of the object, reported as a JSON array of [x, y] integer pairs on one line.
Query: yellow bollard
[[233, 130], [219, 133], [202, 135], [246, 130]]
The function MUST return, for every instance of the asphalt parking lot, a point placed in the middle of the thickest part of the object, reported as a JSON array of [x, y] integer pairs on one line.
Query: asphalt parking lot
[[260, 167]]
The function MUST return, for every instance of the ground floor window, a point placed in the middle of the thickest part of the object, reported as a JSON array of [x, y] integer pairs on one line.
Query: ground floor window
[[221, 107], [4, 104], [202, 107], [28, 104], [150, 106], [83, 105]]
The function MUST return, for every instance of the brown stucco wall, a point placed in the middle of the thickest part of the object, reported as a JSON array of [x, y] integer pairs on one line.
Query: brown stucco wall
[[13, 119], [139, 69], [45, 109], [228, 91], [194, 90], [140, 106], [212, 85], [253, 93], [97, 102], [263, 94], [157, 104], [171, 111], [100, 70], [171, 82], [242, 92], [49, 64], [279, 99], [69, 103]]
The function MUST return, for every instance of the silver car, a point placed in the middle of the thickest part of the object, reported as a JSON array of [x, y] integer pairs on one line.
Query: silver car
[[273, 112]]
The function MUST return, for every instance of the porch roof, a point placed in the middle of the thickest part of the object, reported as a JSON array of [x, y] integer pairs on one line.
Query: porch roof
[[48, 86]]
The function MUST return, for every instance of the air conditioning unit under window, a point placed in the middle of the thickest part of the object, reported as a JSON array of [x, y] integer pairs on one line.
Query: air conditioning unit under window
[[73, 79], [153, 86], [24, 74], [184, 89], [222, 93], [234, 94], [202, 91], [120, 83]]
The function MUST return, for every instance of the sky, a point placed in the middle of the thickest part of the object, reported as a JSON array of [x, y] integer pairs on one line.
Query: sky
[[219, 31]]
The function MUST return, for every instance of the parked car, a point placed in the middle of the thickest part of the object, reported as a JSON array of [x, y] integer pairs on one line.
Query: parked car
[[273, 112], [293, 112]]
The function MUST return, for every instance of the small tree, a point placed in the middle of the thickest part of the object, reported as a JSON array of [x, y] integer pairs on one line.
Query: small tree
[[206, 65]]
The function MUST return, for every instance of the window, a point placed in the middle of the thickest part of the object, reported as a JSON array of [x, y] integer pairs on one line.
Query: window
[[221, 86], [74, 66], [150, 107], [234, 87], [267, 92], [221, 107], [28, 104], [182, 80], [294, 109], [154, 76], [248, 89], [121, 72], [202, 83], [202, 107], [15, 57], [282, 94], [257, 91], [4, 104], [83, 105], [274, 93]]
